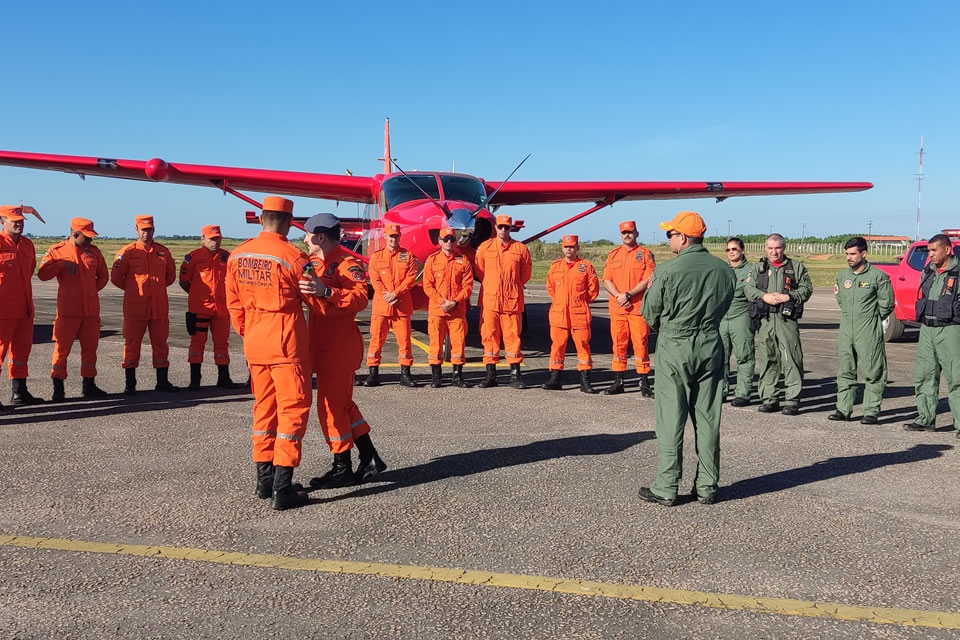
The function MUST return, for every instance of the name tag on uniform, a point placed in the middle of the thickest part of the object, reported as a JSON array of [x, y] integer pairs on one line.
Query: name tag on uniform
[[582, 268]]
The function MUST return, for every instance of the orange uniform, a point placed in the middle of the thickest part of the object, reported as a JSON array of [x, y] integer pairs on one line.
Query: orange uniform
[[266, 309], [502, 270], [572, 286], [206, 273], [626, 267], [336, 346], [144, 275], [391, 271], [18, 260], [447, 278], [81, 273]]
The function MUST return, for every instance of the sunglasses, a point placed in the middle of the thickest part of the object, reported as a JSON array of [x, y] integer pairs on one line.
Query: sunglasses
[[671, 234], [628, 232], [729, 249], [447, 239], [503, 226]]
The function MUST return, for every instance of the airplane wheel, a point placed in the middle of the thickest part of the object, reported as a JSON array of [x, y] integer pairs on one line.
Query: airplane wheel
[[892, 329]]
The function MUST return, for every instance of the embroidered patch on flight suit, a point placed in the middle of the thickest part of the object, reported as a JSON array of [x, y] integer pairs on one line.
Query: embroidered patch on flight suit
[[848, 284], [863, 284], [836, 288], [582, 267], [186, 258], [458, 259], [653, 259], [223, 257], [332, 269], [356, 272], [403, 257], [638, 256]]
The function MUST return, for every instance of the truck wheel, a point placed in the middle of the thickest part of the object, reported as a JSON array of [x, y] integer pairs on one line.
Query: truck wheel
[[892, 329]]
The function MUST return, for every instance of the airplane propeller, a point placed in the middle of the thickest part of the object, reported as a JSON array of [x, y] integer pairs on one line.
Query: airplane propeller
[[492, 195], [425, 194]]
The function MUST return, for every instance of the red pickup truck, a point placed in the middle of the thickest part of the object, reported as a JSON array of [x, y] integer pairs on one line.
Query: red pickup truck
[[905, 277]]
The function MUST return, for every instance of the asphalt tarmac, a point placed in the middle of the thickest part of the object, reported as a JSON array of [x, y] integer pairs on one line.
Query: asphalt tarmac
[[118, 513]]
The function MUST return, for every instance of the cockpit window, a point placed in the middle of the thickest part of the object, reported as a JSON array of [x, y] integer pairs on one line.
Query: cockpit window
[[399, 190], [463, 189]]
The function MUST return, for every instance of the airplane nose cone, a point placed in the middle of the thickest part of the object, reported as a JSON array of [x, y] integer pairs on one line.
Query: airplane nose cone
[[461, 220]]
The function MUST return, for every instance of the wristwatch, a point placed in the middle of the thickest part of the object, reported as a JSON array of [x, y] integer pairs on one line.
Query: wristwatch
[[327, 292], [628, 294]]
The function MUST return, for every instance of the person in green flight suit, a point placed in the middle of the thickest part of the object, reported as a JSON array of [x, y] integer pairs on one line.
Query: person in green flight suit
[[777, 287], [685, 303], [735, 330], [865, 296], [938, 311]]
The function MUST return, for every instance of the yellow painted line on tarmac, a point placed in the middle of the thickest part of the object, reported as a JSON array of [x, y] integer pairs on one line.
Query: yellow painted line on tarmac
[[468, 365], [778, 606], [424, 347]]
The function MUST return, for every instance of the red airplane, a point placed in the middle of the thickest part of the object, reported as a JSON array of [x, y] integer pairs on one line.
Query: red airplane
[[420, 202]]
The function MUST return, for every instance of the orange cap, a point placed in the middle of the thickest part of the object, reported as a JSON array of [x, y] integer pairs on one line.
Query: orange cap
[[12, 212], [391, 229], [144, 222], [447, 232], [211, 231], [629, 225], [570, 241], [688, 223], [276, 203], [84, 226], [504, 219]]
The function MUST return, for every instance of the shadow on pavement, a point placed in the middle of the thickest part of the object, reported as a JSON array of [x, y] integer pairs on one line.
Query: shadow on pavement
[[115, 404], [830, 468], [483, 460]]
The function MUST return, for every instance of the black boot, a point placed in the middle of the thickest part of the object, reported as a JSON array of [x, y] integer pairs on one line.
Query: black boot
[[553, 384], [457, 379], [435, 372], [91, 390], [163, 384], [370, 464], [645, 389], [223, 377], [131, 386], [585, 385], [373, 379], [59, 394], [264, 480], [20, 396], [340, 474], [516, 380], [285, 496], [617, 386], [491, 379], [405, 379], [194, 376]]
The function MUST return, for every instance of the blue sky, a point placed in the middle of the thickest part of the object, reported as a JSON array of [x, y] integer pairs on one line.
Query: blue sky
[[618, 91]]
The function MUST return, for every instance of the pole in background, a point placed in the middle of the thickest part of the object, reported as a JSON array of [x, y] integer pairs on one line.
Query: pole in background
[[919, 186]]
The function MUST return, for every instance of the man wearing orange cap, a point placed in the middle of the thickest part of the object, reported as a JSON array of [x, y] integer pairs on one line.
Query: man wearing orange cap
[[144, 269], [337, 292], [685, 304], [626, 276], [266, 309], [448, 282], [18, 260], [393, 272], [503, 267], [81, 273], [572, 284], [202, 276]]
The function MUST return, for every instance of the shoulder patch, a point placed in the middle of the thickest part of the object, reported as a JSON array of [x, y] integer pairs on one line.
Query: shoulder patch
[[582, 267], [187, 258], [638, 256], [356, 271], [402, 257], [836, 288], [653, 258], [332, 268]]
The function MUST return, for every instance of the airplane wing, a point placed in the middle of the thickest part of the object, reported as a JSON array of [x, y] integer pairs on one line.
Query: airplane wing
[[294, 183], [514, 193]]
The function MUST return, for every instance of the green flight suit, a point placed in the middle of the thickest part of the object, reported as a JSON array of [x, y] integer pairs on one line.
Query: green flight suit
[[689, 296], [938, 350], [865, 299], [778, 339], [737, 337]]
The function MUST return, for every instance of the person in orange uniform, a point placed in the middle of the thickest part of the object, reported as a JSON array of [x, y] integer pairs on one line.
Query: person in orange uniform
[[572, 284], [144, 269], [448, 282], [625, 277], [18, 260], [337, 292], [503, 266], [266, 310], [393, 272], [202, 276], [81, 273]]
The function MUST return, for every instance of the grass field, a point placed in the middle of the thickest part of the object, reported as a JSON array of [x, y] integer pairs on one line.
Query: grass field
[[823, 268]]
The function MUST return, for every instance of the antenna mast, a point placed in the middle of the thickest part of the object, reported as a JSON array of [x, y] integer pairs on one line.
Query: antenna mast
[[919, 186]]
